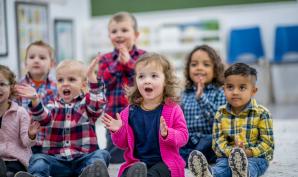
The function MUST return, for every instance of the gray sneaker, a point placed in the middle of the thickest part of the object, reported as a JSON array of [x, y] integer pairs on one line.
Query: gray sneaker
[[238, 163], [137, 170], [2, 168], [198, 165], [23, 174], [98, 169]]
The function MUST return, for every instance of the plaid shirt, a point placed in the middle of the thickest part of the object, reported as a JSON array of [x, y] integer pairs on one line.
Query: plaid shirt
[[115, 76], [253, 127], [199, 113], [71, 131], [47, 92]]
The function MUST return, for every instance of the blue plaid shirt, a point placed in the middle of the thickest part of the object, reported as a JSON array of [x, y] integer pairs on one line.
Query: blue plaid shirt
[[199, 113]]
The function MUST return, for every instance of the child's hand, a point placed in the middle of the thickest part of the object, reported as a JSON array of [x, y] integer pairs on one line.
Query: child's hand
[[26, 91], [111, 123], [33, 129], [200, 88], [91, 75], [163, 127], [123, 54]]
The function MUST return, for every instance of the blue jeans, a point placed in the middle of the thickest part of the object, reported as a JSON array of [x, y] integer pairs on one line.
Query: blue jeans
[[256, 167], [43, 165]]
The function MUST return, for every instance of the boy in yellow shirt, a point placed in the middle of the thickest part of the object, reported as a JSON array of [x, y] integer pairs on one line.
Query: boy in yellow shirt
[[242, 130]]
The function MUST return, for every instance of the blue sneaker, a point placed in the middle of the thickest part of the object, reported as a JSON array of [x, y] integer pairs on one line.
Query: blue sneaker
[[238, 163]]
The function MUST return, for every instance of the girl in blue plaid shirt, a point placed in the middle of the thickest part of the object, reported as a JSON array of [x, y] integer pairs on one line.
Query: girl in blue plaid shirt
[[201, 98]]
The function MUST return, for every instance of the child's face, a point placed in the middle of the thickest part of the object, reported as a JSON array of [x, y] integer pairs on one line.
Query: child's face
[[38, 61], [4, 89], [69, 83], [201, 67], [150, 80], [238, 91], [122, 34]]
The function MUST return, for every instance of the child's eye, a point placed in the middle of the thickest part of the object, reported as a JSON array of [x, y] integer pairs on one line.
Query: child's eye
[[141, 76], [114, 31], [230, 87], [42, 57], [154, 76], [193, 64], [3, 84], [124, 30], [72, 79], [207, 64], [242, 88], [60, 80]]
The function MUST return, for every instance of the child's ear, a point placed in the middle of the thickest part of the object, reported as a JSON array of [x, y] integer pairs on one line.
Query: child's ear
[[137, 34], [254, 91]]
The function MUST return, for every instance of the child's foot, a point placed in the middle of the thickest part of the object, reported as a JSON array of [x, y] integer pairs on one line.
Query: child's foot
[[198, 164], [98, 169], [23, 174], [2, 168], [137, 170], [238, 163]]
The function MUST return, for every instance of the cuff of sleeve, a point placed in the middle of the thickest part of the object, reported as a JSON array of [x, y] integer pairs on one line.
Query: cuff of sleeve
[[36, 109], [118, 133], [170, 138]]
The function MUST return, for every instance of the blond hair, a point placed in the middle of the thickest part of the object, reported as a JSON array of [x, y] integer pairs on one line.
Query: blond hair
[[123, 16], [170, 93], [75, 65]]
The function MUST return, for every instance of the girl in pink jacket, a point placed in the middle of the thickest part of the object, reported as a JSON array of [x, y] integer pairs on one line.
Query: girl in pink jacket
[[16, 134], [152, 129]]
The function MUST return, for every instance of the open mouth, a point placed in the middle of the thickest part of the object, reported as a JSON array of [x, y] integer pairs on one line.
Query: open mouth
[[148, 90], [66, 92]]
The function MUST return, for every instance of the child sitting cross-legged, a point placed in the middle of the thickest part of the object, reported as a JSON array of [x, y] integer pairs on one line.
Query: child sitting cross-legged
[[242, 131]]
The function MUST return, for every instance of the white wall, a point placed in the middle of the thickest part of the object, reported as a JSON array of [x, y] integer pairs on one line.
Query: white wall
[[77, 10]]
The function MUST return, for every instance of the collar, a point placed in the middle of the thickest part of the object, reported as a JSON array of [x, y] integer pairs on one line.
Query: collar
[[252, 105]]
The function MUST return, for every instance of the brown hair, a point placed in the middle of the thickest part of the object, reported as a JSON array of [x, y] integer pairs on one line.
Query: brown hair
[[41, 44], [218, 66], [11, 77], [170, 93], [122, 16]]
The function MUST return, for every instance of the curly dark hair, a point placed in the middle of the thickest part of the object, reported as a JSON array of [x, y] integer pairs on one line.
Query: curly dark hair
[[217, 61], [170, 93], [11, 77]]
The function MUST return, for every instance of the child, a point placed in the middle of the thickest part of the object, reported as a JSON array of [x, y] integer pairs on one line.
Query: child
[[152, 129], [201, 99], [242, 132], [16, 134], [39, 60], [71, 145], [117, 68]]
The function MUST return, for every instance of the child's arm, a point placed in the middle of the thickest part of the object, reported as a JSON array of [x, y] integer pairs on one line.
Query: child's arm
[[33, 129], [25, 135], [95, 98], [117, 129], [220, 144], [177, 134]]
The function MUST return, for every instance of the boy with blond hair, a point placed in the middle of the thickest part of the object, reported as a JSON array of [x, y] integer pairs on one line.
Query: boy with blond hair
[[242, 131], [71, 147], [117, 68]]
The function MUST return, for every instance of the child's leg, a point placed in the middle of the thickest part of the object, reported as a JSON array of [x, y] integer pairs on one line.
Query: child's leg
[[221, 168], [159, 170], [257, 166], [205, 147], [93, 164], [13, 167], [198, 164], [238, 163]]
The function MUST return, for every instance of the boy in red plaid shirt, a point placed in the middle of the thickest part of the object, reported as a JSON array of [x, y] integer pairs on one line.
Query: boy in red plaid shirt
[[117, 68], [70, 147]]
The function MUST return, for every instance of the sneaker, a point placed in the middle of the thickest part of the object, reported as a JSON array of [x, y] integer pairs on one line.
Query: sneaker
[[98, 169], [137, 170], [23, 174], [238, 163], [2, 168], [198, 165]]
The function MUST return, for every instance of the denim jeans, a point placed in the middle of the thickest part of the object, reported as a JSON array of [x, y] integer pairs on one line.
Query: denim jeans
[[43, 165], [256, 167]]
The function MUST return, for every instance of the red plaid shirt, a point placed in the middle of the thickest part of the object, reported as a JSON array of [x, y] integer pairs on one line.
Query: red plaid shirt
[[115, 76], [71, 131]]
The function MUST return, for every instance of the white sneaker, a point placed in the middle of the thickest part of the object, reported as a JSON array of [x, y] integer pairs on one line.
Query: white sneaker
[[238, 163], [198, 164], [98, 169], [23, 174]]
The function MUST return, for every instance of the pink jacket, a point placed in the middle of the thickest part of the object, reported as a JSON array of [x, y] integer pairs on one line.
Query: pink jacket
[[14, 140], [169, 147]]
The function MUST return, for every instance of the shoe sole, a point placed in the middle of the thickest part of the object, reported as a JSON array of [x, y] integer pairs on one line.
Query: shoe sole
[[198, 164], [238, 163], [23, 174], [98, 169], [2, 168], [137, 170]]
